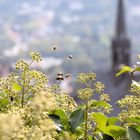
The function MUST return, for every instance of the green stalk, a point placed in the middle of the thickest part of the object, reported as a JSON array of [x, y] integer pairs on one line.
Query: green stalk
[[86, 122], [132, 75], [23, 91], [68, 109]]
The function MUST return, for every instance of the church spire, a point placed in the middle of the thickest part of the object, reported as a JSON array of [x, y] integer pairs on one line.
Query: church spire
[[120, 25], [120, 43]]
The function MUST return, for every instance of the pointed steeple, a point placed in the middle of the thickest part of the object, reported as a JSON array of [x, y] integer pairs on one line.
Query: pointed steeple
[[120, 43], [120, 25]]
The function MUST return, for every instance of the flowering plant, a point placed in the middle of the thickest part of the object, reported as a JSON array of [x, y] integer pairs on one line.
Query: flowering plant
[[30, 109]]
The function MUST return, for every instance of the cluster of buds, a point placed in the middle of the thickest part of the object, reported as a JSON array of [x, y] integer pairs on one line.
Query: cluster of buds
[[85, 93], [38, 80], [38, 75], [126, 102], [99, 87], [21, 65], [65, 102], [85, 77], [35, 56], [130, 102], [105, 97], [6, 83]]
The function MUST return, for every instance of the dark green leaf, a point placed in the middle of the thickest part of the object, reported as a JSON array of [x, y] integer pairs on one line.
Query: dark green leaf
[[63, 117], [57, 121], [76, 118], [133, 134], [107, 137], [137, 127], [59, 112]]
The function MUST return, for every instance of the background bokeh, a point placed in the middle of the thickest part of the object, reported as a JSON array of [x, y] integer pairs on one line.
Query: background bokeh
[[81, 28]]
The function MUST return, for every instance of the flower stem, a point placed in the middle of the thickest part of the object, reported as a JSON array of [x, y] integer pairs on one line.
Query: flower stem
[[86, 122], [23, 91]]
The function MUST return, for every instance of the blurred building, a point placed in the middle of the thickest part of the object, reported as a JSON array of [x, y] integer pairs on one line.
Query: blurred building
[[118, 87], [121, 42]]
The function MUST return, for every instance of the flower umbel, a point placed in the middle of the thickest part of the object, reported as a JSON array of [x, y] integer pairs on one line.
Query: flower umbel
[[35, 56], [85, 77], [99, 87], [85, 93], [21, 65]]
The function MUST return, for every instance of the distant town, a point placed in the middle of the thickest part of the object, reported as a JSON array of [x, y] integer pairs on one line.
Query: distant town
[[78, 27]]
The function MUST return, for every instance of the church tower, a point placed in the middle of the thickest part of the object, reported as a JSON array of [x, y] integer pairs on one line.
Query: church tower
[[121, 42]]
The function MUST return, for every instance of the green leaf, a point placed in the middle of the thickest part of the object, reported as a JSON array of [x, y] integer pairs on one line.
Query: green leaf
[[55, 118], [4, 103], [107, 137], [137, 69], [57, 121], [91, 138], [134, 120], [132, 133], [60, 113], [115, 131], [76, 119], [112, 120], [137, 127], [6, 91], [16, 87], [100, 104], [100, 119], [2, 94], [124, 69], [63, 118]]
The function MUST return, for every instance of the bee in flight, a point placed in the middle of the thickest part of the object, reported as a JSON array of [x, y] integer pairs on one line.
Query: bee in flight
[[70, 57], [54, 47]]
